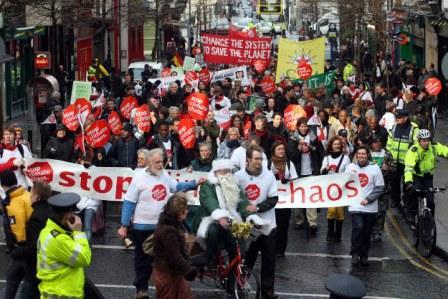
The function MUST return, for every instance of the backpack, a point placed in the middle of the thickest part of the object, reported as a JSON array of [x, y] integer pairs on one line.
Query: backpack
[[19, 147]]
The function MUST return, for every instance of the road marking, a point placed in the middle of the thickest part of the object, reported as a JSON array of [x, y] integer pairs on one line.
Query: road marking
[[412, 248], [300, 254], [410, 258]]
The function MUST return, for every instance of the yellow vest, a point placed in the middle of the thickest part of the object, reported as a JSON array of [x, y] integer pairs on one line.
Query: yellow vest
[[61, 258]]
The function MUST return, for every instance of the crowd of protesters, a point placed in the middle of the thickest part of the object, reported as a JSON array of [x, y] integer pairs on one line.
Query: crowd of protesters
[[353, 128]]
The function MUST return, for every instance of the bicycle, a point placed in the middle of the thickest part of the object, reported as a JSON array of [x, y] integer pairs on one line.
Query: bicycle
[[244, 284], [425, 226]]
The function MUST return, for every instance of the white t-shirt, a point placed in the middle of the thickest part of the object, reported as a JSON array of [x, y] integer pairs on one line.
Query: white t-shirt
[[367, 96], [238, 158], [8, 154], [399, 102], [370, 176], [334, 162], [257, 189], [150, 193], [290, 171]]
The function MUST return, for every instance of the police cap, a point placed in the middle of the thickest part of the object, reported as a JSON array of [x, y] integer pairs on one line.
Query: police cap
[[64, 201], [345, 286], [402, 112]]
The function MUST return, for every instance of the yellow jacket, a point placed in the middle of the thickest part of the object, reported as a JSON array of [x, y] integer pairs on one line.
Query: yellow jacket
[[61, 258], [18, 209], [421, 162]]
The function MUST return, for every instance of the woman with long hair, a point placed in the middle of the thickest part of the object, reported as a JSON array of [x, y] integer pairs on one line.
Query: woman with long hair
[[171, 261], [334, 162]]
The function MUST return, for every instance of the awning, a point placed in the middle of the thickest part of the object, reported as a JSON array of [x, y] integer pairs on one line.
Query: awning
[[4, 57], [25, 32]]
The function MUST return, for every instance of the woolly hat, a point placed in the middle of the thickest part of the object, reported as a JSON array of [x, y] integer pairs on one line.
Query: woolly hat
[[222, 164], [8, 178]]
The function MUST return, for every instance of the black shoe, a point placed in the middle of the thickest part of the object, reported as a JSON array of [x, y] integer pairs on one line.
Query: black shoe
[[299, 226], [313, 231], [355, 260], [364, 262]]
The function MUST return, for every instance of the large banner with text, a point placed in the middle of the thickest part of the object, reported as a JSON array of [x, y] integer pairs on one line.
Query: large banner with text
[[221, 49], [111, 183]]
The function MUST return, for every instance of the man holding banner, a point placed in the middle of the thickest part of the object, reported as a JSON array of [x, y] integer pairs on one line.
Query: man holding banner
[[148, 193]]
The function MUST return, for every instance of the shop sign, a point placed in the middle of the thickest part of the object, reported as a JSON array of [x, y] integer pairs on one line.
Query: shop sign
[[42, 60]]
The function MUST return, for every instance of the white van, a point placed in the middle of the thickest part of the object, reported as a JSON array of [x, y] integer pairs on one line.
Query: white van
[[139, 66]]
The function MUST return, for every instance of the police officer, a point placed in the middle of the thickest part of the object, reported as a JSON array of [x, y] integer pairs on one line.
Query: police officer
[[343, 286], [63, 251], [420, 163], [401, 137]]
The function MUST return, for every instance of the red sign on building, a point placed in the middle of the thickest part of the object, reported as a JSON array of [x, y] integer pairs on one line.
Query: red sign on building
[[42, 60]]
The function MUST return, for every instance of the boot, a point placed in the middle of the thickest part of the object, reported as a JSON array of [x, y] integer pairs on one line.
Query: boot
[[338, 232], [330, 232]]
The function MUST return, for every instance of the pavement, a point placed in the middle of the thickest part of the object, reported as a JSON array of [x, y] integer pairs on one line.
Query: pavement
[[441, 199]]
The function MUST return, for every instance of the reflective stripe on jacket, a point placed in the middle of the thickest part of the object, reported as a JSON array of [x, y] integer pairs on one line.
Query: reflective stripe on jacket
[[61, 258], [422, 162], [398, 146]]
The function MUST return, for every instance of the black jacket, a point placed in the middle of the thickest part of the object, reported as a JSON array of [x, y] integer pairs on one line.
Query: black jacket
[[124, 153], [37, 221], [173, 99], [295, 155], [59, 149]]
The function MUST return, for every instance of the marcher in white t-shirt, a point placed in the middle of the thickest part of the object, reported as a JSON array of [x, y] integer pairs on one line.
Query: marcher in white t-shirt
[[364, 213], [334, 162], [261, 190]]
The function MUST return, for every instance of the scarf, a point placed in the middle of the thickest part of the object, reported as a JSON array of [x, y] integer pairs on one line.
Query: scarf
[[206, 161], [279, 164], [260, 133], [254, 172]]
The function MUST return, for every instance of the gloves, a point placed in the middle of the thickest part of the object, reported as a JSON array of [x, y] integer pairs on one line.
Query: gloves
[[218, 107], [284, 181], [409, 187], [192, 274], [18, 162]]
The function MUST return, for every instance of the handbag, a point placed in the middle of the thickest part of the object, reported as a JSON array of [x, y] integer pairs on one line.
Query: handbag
[[148, 245]]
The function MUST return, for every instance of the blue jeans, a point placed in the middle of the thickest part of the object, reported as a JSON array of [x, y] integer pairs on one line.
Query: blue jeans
[[362, 224], [89, 214]]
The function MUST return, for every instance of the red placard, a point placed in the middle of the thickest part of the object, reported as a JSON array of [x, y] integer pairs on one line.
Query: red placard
[[98, 134], [247, 127], [126, 107], [191, 77], [42, 61], [70, 118], [291, 114], [114, 122], [304, 69], [166, 72], [433, 86], [204, 76], [238, 50], [187, 133], [142, 118], [83, 108], [198, 105], [260, 66], [268, 85]]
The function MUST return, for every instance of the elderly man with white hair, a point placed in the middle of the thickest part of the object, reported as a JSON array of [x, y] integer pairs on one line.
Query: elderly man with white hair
[[221, 201], [145, 198]]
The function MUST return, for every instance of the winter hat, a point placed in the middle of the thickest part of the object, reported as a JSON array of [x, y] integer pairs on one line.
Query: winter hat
[[60, 127], [370, 113], [128, 127], [8, 178], [222, 164]]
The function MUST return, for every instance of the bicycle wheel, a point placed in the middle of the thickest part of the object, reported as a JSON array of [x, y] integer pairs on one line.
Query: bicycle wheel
[[247, 285], [427, 234]]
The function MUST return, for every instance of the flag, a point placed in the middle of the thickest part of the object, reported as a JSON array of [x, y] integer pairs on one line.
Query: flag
[[297, 59], [177, 60], [50, 120]]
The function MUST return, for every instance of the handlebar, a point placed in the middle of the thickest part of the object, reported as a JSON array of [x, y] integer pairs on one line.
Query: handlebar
[[432, 190]]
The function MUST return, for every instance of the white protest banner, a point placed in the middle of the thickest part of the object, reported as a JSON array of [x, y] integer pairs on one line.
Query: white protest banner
[[111, 183], [236, 73], [188, 63], [165, 82], [81, 89]]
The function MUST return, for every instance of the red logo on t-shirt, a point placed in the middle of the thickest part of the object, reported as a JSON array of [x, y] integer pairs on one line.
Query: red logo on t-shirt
[[252, 192], [363, 179], [159, 192]]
